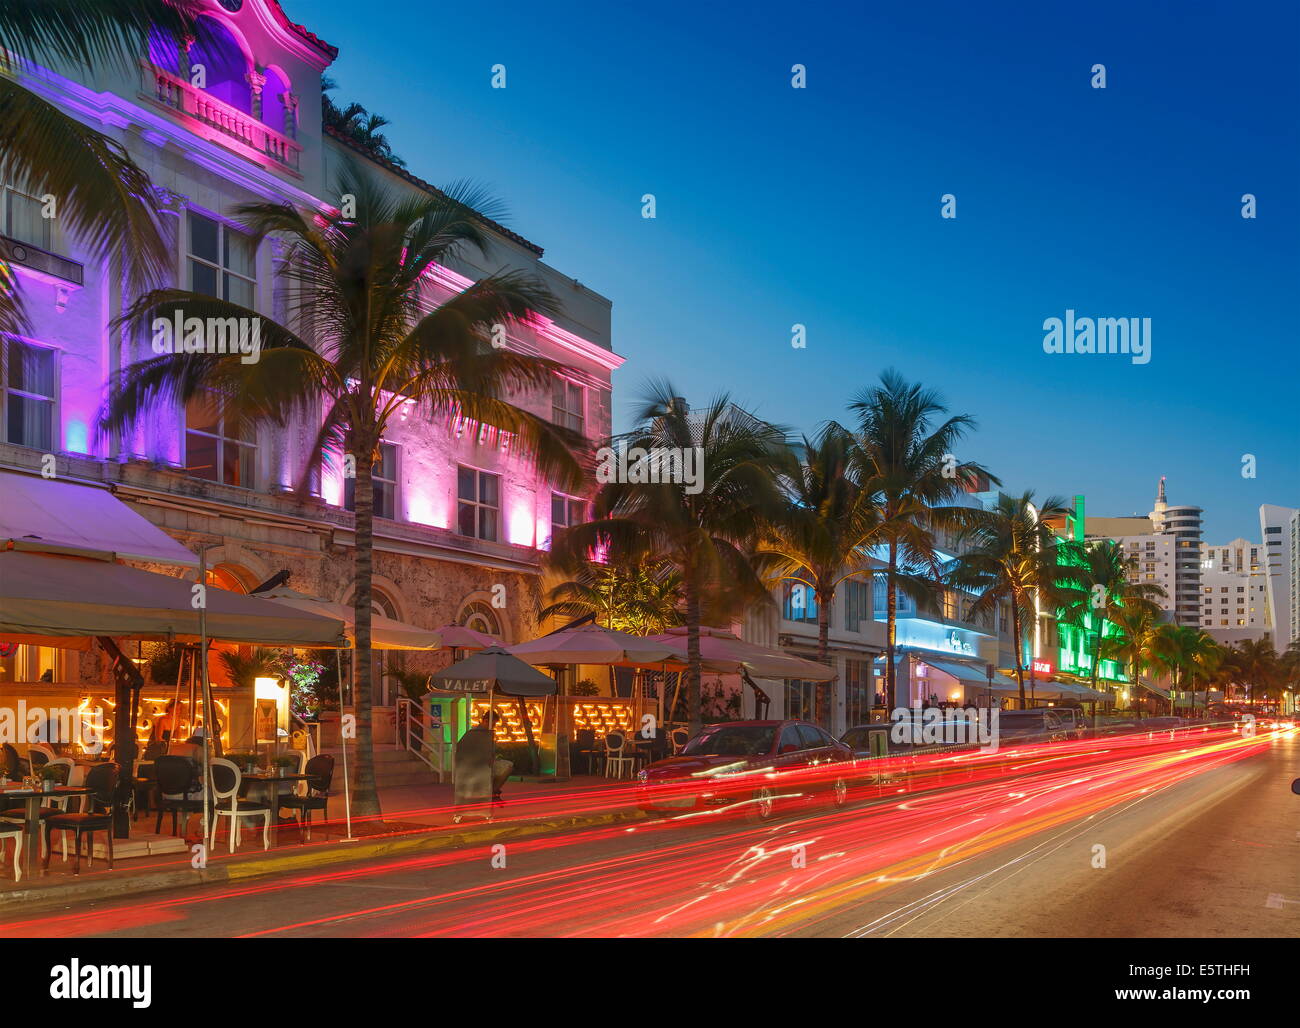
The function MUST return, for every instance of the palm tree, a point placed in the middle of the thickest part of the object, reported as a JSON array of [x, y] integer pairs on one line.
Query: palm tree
[[1138, 643], [905, 464], [100, 195], [824, 526], [1012, 558], [364, 341], [1258, 665], [1192, 655], [358, 124], [643, 599], [703, 530], [1103, 584]]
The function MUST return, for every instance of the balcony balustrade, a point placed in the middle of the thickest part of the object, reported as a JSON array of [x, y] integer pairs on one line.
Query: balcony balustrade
[[239, 126]]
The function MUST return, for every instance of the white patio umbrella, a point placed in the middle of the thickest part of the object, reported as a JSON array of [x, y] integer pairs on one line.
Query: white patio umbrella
[[595, 644], [385, 633]]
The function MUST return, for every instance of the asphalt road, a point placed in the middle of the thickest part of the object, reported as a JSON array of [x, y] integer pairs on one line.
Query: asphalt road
[[1197, 838]]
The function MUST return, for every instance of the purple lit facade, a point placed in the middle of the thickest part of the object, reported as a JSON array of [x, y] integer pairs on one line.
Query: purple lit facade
[[253, 132]]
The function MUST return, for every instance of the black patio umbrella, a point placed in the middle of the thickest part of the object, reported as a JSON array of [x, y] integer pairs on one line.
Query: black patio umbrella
[[494, 670]]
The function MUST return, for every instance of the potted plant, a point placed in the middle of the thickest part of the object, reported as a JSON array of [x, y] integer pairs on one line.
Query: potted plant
[[53, 775], [246, 762]]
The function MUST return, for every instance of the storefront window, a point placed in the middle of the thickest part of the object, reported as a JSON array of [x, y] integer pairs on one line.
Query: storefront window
[[857, 692]]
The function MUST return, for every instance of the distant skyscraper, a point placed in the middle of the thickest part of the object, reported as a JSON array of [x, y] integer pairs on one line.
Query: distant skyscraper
[[1183, 525], [1164, 549]]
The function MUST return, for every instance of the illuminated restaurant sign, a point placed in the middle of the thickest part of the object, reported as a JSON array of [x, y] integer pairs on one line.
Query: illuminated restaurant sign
[[1042, 667]]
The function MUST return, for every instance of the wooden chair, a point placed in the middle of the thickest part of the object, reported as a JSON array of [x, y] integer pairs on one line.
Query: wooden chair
[[101, 780], [315, 795]]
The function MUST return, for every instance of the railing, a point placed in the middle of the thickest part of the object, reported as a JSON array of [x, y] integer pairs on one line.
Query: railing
[[412, 736], [178, 95]]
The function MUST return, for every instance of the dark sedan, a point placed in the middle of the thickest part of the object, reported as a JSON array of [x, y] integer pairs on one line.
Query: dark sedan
[[755, 766]]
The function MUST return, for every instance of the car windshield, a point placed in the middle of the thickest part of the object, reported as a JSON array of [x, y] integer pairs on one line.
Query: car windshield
[[732, 741]]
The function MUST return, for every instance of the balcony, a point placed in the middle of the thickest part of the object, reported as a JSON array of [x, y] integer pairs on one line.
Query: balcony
[[234, 128]]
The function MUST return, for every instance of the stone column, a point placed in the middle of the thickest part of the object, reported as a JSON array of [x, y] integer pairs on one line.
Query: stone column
[[290, 101], [256, 80]]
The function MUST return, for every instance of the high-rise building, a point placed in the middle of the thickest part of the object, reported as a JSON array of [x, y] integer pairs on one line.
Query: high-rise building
[[1234, 592], [1164, 549]]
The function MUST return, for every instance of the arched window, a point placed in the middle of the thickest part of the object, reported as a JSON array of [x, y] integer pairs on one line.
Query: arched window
[[273, 90], [480, 617], [224, 67], [224, 577], [384, 690]]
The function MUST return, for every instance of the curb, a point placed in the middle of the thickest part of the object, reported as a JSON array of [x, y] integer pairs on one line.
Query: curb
[[259, 867]]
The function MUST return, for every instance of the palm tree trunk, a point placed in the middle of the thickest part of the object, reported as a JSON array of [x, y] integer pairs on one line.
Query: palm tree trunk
[[365, 795], [891, 624], [825, 690], [693, 704], [1019, 665]]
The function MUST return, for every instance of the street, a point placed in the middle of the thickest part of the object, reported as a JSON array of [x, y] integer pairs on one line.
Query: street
[[1149, 837]]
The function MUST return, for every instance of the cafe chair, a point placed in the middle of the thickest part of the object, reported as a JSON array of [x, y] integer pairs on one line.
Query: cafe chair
[[678, 738], [56, 805], [101, 780], [177, 789], [38, 756], [585, 741], [14, 765], [315, 795], [225, 790], [617, 756], [15, 832]]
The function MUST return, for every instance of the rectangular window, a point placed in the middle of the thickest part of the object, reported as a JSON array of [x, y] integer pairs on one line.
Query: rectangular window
[[383, 476], [800, 699], [568, 407], [567, 511], [857, 604], [798, 602], [31, 664], [29, 391], [22, 217], [221, 261], [217, 449], [478, 496], [857, 692]]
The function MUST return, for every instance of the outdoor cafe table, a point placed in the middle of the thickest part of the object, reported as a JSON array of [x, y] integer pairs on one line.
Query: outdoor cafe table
[[33, 797], [272, 780]]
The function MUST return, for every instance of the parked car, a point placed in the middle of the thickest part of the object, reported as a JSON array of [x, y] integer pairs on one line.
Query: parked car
[[1026, 726], [1077, 724], [750, 765]]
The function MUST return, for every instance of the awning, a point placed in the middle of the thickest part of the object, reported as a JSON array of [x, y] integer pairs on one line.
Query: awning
[[723, 652], [385, 633], [966, 675], [1163, 694], [595, 644], [44, 596], [63, 517]]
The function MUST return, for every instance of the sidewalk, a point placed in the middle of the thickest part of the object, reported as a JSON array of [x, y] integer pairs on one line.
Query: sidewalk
[[416, 819]]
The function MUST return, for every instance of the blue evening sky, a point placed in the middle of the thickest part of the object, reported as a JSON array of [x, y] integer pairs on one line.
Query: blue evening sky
[[821, 206]]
